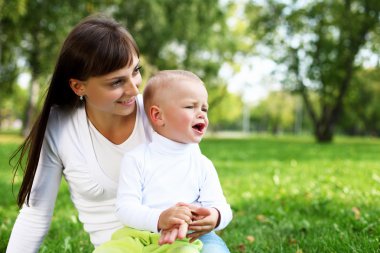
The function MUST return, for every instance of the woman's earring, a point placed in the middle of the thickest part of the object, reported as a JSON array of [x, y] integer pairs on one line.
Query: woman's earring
[[81, 98]]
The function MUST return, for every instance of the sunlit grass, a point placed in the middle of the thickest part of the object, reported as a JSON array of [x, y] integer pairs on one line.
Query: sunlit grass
[[292, 194], [66, 232], [288, 194], [10, 138]]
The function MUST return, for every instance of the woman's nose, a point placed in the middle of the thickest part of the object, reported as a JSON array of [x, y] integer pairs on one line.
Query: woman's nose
[[132, 88]]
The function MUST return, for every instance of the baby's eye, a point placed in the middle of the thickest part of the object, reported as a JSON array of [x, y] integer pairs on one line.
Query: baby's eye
[[204, 109], [189, 107]]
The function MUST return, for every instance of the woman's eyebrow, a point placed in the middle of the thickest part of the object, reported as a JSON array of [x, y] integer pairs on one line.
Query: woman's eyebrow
[[123, 76]]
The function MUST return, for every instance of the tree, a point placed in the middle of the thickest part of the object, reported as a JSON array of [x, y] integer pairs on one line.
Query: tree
[[188, 34], [11, 110], [11, 12], [43, 28], [359, 119], [227, 114], [275, 113], [318, 44]]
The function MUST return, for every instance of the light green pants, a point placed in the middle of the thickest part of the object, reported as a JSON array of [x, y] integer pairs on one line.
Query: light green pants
[[129, 240]]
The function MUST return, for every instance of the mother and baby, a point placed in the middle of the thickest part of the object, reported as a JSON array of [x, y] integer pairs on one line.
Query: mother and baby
[[132, 162]]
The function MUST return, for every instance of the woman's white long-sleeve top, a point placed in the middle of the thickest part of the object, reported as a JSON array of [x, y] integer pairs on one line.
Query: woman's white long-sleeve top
[[68, 150], [160, 174]]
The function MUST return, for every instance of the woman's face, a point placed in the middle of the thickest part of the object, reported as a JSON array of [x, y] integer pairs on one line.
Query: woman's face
[[114, 93]]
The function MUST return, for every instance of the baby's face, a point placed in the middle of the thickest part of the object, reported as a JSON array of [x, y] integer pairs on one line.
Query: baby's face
[[184, 111]]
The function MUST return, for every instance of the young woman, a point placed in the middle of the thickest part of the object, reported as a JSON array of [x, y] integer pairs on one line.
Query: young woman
[[91, 116]]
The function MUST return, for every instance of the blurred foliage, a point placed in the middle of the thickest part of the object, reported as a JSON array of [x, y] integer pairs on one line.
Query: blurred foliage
[[318, 46], [281, 112], [188, 34], [317, 43], [225, 112], [11, 108], [10, 13], [362, 114], [275, 113], [43, 28]]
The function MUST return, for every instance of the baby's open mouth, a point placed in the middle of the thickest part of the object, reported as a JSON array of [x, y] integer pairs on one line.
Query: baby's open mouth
[[199, 127]]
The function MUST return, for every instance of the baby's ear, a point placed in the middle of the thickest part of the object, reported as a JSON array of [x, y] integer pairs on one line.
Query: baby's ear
[[156, 117]]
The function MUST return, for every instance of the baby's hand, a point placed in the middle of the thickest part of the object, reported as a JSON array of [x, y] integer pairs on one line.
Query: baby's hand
[[174, 217], [175, 222], [170, 235]]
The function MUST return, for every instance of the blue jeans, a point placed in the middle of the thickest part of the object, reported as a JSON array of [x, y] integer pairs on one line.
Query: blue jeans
[[212, 243]]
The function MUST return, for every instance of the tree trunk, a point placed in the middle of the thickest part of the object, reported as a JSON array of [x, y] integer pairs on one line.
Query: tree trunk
[[31, 107], [34, 88], [324, 132]]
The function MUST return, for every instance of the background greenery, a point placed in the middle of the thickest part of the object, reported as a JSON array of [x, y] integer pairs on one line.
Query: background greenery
[[326, 54], [288, 194]]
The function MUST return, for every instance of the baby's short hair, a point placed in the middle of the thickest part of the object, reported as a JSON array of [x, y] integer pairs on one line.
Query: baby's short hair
[[161, 80]]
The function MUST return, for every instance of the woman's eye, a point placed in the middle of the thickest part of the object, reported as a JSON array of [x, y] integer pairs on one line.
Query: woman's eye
[[117, 83], [137, 69]]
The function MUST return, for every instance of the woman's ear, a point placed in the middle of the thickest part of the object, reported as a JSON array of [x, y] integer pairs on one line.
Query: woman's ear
[[77, 86], [156, 117]]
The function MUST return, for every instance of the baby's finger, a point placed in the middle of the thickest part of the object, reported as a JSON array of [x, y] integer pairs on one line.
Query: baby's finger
[[179, 219], [197, 217], [202, 222], [206, 228], [200, 211], [172, 235], [195, 235], [175, 221], [182, 231], [163, 237], [182, 204], [185, 211]]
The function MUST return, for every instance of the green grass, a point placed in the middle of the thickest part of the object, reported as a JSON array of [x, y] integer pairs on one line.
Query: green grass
[[66, 233], [288, 194]]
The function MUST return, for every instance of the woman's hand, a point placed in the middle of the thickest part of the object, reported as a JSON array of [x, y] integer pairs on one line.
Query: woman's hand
[[204, 221]]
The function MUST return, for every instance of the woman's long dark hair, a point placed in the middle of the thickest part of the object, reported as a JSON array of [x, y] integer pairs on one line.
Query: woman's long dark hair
[[96, 46]]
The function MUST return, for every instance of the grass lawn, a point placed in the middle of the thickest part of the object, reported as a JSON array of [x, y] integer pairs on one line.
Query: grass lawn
[[288, 194]]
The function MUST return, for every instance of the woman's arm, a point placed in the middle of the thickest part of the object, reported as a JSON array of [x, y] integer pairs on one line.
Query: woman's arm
[[32, 223]]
